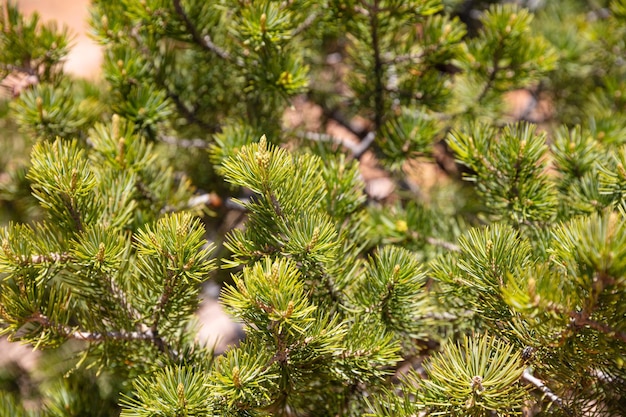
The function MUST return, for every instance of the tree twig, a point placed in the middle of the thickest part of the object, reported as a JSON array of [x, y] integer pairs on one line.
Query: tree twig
[[336, 116], [356, 149], [184, 143], [305, 25], [529, 377], [444, 244], [49, 258], [189, 114], [323, 137], [71, 333], [379, 87], [205, 42], [582, 320], [364, 145]]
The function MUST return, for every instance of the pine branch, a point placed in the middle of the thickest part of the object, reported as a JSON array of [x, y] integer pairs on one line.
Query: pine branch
[[158, 312], [306, 24], [196, 143], [70, 205], [529, 377], [492, 73], [379, 88], [205, 42], [356, 149], [189, 114], [9, 68], [580, 319], [336, 116], [71, 333], [50, 257], [442, 243]]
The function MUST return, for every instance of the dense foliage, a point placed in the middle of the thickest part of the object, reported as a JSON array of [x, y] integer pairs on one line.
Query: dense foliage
[[496, 291]]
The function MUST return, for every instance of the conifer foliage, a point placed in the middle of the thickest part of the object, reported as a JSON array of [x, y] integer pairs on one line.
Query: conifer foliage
[[499, 291]]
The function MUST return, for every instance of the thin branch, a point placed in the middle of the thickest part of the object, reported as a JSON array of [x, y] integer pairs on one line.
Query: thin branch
[[123, 299], [17, 68], [206, 199], [493, 73], [529, 377], [189, 114], [322, 137], [379, 87], [305, 25], [70, 205], [50, 257], [582, 320], [158, 310], [184, 143], [121, 335], [404, 58], [444, 244], [205, 42], [336, 116], [364, 145], [356, 149], [71, 333]]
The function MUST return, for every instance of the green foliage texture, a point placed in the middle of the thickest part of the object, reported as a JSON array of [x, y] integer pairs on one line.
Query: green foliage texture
[[498, 291]]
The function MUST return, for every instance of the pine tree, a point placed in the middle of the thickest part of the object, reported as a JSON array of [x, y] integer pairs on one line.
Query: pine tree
[[496, 292]]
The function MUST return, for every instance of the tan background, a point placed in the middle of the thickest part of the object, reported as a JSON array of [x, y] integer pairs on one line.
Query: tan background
[[85, 57]]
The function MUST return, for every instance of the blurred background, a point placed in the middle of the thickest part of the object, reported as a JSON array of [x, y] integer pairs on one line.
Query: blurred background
[[85, 57]]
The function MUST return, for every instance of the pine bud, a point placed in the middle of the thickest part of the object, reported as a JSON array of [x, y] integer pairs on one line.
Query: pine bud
[[39, 102], [263, 22], [522, 147], [402, 226], [180, 392], [115, 126], [120, 151], [477, 384], [100, 255], [236, 379], [290, 308], [74, 179], [274, 273], [262, 155], [6, 248], [314, 238]]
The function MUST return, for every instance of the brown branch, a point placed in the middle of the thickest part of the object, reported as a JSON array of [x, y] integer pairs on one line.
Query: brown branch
[[120, 335], [492, 74], [70, 205], [168, 288], [583, 320], [379, 88]]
